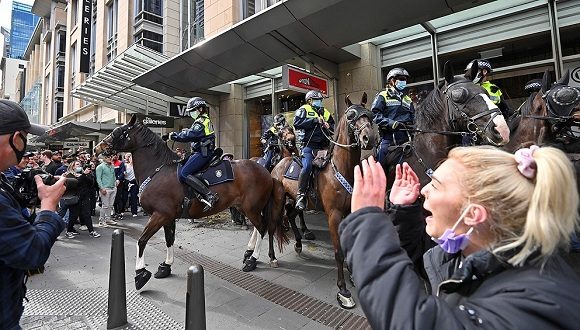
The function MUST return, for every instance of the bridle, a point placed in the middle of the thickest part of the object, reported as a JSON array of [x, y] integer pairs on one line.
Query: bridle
[[119, 134], [472, 127], [353, 113]]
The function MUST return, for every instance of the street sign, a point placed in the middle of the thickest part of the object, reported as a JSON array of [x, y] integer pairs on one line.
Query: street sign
[[156, 121], [177, 109], [75, 144], [298, 80]]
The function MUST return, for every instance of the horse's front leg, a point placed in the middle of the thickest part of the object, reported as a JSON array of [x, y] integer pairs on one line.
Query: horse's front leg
[[344, 297], [142, 275], [164, 268]]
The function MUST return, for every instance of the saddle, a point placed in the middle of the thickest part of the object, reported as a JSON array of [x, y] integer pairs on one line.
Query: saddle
[[320, 161], [218, 170]]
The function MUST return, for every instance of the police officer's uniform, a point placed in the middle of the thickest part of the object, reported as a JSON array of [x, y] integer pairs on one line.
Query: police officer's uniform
[[308, 119]]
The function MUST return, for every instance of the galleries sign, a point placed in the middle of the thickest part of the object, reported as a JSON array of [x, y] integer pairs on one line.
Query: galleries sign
[[296, 79], [87, 10]]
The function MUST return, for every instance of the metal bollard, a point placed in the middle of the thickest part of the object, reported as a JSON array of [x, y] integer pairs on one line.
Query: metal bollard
[[195, 299], [117, 304]]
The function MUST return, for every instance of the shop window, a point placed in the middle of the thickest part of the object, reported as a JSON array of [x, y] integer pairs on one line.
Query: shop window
[[569, 39], [259, 118]]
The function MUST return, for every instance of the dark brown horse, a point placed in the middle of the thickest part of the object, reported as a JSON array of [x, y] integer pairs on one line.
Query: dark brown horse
[[253, 190], [354, 131], [537, 123], [456, 112]]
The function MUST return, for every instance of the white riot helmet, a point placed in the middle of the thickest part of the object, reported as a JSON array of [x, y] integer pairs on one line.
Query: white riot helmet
[[313, 95], [397, 72]]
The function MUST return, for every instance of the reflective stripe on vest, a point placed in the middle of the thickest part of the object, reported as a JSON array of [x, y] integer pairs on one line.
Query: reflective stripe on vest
[[273, 130], [494, 97], [311, 113], [207, 125], [406, 101]]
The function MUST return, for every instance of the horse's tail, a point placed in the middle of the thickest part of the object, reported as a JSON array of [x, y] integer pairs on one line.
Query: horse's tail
[[275, 211]]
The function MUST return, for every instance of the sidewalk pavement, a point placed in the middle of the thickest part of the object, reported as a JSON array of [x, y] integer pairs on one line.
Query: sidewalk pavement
[[72, 293]]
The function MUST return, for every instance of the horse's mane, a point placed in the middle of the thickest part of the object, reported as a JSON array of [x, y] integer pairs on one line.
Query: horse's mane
[[157, 146], [526, 107], [430, 110]]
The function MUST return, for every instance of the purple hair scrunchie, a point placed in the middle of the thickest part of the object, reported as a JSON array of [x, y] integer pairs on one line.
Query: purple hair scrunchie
[[526, 163]]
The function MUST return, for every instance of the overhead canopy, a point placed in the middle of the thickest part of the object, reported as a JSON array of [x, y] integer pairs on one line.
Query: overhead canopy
[[73, 129], [316, 30], [112, 85]]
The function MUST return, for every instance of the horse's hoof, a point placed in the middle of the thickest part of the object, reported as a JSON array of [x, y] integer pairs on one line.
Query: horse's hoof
[[308, 235], [274, 263], [163, 270], [141, 278], [298, 249], [345, 300], [250, 264], [247, 254]]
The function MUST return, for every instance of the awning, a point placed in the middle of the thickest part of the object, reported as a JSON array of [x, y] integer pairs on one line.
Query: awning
[[113, 87], [314, 30], [72, 129]]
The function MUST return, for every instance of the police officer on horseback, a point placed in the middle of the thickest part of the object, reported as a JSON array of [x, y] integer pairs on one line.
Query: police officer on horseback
[[202, 138], [270, 139], [314, 123], [394, 112], [494, 92]]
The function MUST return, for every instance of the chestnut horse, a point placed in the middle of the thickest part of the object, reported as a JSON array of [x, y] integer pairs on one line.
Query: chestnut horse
[[354, 131], [253, 190]]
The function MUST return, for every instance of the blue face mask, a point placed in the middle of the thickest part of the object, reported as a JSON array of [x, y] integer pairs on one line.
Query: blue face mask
[[317, 103], [400, 85]]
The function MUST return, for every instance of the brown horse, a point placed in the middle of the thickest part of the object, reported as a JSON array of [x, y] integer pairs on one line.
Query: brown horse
[[456, 112], [253, 190], [534, 123], [354, 131]]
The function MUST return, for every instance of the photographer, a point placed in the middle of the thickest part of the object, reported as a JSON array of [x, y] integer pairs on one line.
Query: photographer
[[22, 245]]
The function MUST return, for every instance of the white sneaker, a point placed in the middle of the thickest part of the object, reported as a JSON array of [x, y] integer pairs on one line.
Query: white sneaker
[[102, 224], [134, 215], [83, 228], [111, 222], [94, 234]]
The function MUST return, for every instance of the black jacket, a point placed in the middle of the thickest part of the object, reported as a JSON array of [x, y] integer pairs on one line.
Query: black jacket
[[478, 292]]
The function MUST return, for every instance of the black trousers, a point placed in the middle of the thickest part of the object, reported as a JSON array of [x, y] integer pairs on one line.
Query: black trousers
[[81, 211], [120, 197]]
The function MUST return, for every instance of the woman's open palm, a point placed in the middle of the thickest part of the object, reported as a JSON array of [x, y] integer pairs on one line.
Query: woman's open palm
[[406, 186]]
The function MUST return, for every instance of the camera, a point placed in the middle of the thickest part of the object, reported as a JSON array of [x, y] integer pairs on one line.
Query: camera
[[26, 190]]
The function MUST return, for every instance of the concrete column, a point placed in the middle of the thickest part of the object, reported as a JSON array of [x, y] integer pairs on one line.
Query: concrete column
[[231, 121], [358, 76]]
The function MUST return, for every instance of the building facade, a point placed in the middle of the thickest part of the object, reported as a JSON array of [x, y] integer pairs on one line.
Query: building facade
[[148, 57], [23, 24]]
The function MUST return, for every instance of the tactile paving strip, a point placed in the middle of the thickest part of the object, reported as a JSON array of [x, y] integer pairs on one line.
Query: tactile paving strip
[[312, 308], [87, 309]]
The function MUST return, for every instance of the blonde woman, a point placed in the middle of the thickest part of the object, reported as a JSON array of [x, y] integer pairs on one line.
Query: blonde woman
[[500, 222]]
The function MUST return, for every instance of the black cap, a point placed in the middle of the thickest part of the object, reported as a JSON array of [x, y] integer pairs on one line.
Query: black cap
[[14, 119], [28, 154]]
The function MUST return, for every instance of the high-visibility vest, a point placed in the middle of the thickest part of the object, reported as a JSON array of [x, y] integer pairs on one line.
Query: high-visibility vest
[[389, 101], [493, 91], [311, 113]]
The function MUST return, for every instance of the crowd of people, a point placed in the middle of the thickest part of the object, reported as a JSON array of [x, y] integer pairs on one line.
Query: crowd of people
[[109, 181]]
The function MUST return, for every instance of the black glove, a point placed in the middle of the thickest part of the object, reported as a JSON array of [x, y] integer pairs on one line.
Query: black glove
[[165, 137]]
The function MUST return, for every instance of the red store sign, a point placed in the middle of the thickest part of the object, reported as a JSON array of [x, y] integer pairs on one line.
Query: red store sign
[[301, 81]]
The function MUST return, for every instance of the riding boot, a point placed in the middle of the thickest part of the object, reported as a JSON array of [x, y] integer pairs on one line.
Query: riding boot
[[208, 197], [302, 188]]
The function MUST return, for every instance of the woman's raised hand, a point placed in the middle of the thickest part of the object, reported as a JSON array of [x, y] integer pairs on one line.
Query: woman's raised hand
[[370, 189], [406, 186]]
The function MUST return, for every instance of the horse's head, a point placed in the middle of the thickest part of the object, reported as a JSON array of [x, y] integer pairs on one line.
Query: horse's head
[[559, 103], [471, 110], [120, 139], [288, 137], [360, 123]]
